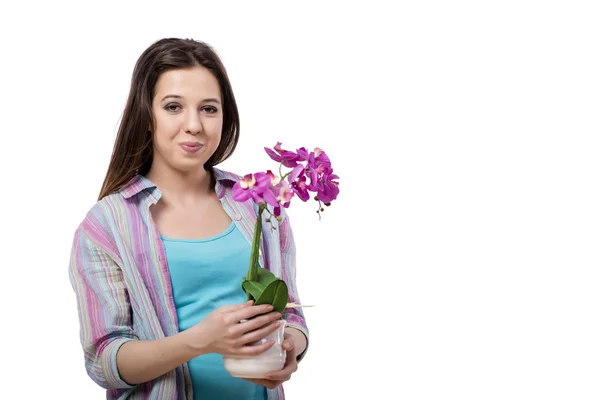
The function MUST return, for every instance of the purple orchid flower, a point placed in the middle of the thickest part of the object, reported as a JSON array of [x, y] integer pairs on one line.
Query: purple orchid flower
[[284, 194], [311, 172], [328, 188], [274, 178], [252, 186], [317, 165], [301, 188], [318, 160], [270, 196], [302, 154], [297, 181], [288, 158]]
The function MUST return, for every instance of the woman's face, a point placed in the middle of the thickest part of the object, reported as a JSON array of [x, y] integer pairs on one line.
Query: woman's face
[[188, 119]]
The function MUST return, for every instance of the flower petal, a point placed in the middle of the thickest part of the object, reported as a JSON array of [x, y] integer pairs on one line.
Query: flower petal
[[274, 178], [315, 182], [300, 188], [296, 172], [263, 182], [328, 193], [240, 194], [302, 154], [270, 198], [273, 155], [277, 148]]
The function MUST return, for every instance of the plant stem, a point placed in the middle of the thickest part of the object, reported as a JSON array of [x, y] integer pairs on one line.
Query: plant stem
[[282, 177], [253, 268]]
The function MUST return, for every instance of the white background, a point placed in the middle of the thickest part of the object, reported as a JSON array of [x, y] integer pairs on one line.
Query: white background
[[460, 260]]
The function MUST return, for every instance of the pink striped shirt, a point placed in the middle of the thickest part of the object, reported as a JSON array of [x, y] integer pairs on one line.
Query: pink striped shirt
[[119, 272]]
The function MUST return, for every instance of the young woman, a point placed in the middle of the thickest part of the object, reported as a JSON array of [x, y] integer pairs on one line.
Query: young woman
[[157, 263]]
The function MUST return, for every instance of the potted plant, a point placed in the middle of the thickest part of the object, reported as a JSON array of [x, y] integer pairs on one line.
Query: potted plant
[[309, 172]]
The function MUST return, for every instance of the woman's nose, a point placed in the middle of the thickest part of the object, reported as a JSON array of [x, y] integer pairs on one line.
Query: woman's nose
[[193, 123]]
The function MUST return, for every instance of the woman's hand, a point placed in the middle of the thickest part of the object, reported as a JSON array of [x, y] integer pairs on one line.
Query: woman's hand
[[276, 378], [221, 331]]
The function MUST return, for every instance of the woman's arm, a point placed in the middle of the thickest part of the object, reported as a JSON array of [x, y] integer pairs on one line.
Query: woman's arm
[[115, 358], [103, 307], [294, 316], [141, 361], [220, 332], [300, 342]]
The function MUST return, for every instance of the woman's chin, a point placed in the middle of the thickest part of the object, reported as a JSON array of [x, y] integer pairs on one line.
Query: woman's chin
[[188, 167]]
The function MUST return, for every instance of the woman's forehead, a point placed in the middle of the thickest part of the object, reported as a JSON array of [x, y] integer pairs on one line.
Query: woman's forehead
[[196, 83]]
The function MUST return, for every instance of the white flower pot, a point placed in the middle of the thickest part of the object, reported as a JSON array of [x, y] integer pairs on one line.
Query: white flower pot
[[258, 366]]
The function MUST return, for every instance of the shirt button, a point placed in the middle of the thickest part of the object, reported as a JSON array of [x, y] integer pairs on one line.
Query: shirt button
[[237, 217]]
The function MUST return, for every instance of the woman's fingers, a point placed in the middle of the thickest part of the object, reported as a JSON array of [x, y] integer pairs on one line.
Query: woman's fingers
[[237, 307], [254, 323], [258, 334], [285, 374], [288, 345], [250, 313], [254, 350]]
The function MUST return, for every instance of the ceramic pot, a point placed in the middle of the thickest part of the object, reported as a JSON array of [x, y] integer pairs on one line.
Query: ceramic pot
[[257, 366]]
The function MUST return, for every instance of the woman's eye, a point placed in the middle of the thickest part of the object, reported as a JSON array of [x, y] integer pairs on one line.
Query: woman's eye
[[172, 107], [210, 110]]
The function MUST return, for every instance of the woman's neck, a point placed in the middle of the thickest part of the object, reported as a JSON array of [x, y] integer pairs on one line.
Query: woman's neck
[[181, 188]]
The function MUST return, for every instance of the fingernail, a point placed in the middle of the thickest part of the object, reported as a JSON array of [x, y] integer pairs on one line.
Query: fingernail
[[269, 307]]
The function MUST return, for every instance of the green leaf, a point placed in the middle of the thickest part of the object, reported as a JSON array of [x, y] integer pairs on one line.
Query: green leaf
[[265, 276], [267, 289], [280, 299], [254, 289], [276, 294]]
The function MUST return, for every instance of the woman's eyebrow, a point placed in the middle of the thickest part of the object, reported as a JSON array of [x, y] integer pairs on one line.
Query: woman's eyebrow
[[176, 96]]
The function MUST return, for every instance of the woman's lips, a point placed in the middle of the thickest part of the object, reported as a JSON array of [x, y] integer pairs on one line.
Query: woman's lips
[[190, 147]]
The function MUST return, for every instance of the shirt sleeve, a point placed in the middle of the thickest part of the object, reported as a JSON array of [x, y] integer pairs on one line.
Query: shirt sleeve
[[294, 317], [103, 308]]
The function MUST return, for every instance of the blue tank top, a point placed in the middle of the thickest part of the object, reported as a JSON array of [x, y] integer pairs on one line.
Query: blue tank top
[[206, 274]]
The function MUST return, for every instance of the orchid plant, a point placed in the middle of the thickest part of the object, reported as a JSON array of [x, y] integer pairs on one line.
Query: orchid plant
[[308, 172]]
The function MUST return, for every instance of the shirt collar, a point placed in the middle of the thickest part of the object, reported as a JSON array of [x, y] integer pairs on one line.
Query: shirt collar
[[140, 183]]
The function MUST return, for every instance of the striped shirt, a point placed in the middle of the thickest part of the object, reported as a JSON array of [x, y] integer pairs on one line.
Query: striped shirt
[[120, 276]]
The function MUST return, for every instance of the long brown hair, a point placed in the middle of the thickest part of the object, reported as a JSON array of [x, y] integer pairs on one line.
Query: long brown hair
[[132, 152]]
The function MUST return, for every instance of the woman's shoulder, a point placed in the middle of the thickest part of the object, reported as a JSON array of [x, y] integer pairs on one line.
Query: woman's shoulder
[[97, 219], [107, 213], [223, 175]]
